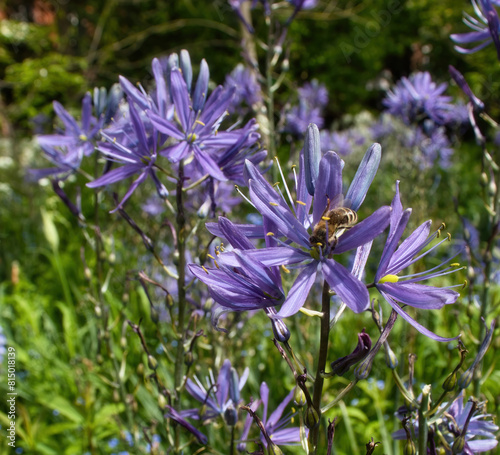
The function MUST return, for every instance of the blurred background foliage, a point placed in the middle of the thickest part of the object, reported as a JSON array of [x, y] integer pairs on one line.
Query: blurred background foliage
[[58, 50]]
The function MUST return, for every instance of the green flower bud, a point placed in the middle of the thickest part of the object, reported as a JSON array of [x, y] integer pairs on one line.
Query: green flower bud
[[152, 362], [459, 445], [299, 397], [162, 401], [450, 382], [188, 358], [231, 416], [410, 448], [311, 418]]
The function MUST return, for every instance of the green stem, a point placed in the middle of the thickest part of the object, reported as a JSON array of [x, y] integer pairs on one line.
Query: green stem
[[423, 429], [322, 356], [181, 265]]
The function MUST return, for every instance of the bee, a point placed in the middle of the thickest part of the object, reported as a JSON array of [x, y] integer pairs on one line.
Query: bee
[[338, 219]]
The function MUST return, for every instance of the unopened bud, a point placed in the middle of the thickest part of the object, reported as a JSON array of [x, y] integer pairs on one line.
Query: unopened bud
[[99, 359], [275, 450], [299, 397], [311, 418], [450, 382], [112, 258], [280, 330], [410, 448], [492, 188], [162, 401], [98, 311], [140, 369], [230, 416], [390, 357], [123, 342], [483, 179], [116, 396], [169, 300], [341, 366], [87, 274], [234, 386], [152, 362], [459, 445]]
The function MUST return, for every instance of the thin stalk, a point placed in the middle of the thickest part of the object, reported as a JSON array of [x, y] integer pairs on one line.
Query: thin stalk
[[322, 356], [181, 266], [423, 429]]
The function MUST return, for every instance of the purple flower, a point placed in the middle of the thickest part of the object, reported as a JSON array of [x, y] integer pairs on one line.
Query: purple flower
[[247, 88], [221, 398], [486, 29], [407, 289], [341, 142], [431, 145], [180, 418], [194, 130], [313, 97], [67, 148], [462, 421], [341, 366], [275, 423], [289, 229], [136, 150], [416, 98], [304, 4]]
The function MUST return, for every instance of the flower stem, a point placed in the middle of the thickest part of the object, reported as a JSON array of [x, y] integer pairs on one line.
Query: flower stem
[[181, 266], [322, 356]]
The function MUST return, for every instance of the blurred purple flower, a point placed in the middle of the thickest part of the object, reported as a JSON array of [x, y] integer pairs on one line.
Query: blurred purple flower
[[180, 418], [486, 28], [416, 98], [341, 142], [247, 88]]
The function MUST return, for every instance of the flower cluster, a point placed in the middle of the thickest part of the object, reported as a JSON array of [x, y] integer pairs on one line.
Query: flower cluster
[[305, 231]]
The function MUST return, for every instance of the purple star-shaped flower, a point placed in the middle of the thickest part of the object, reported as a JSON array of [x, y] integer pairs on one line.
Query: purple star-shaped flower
[[407, 290]]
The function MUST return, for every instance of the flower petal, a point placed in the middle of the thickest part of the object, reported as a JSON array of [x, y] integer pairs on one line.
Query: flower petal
[[419, 295], [349, 289]]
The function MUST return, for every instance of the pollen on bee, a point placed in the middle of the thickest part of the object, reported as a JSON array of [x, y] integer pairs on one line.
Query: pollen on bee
[[326, 218], [301, 203], [203, 267]]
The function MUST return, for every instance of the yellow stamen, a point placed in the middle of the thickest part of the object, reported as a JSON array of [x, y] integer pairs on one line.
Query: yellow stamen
[[449, 236], [203, 267], [455, 264], [216, 265], [285, 269], [274, 204], [301, 203], [389, 279], [465, 284], [276, 184], [82, 137], [270, 234], [199, 122], [210, 256], [294, 166]]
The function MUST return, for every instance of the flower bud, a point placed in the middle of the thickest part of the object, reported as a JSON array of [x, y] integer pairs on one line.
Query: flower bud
[[280, 330], [299, 397], [312, 157], [98, 311], [450, 382], [230, 416], [152, 362], [390, 358], [123, 342], [410, 448], [162, 402], [341, 366], [234, 386], [458, 445], [311, 418], [140, 369]]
